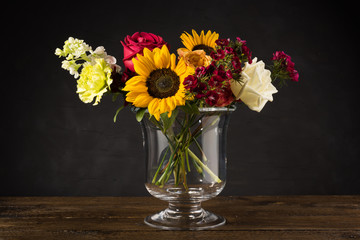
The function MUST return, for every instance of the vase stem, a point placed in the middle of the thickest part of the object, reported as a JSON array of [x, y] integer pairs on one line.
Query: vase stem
[[184, 216], [184, 211]]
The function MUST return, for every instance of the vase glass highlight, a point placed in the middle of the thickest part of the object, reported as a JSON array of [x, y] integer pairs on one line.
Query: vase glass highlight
[[185, 165]]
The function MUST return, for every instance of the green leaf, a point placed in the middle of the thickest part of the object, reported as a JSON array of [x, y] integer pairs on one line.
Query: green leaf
[[117, 112], [190, 108], [140, 114], [168, 122]]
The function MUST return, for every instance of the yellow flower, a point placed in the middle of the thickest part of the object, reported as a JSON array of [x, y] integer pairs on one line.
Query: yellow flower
[[159, 84], [194, 59], [94, 81], [204, 42]]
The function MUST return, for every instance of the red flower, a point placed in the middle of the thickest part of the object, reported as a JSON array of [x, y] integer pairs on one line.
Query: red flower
[[236, 63], [136, 43], [219, 54], [200, 71], [244, 49], [210, 69], [229, 74], [220, 72], [229, 50], [286, 65], [216, 81], [222, 42], [119, 79], [225, 97], [240, 41], [211, 98], [190, 82], [200, 89], [294, 75]]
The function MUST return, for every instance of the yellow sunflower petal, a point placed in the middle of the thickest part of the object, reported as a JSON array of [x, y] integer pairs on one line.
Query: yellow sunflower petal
[[172, 62], [136, 88], [135, 81], [153, 106], [163, 106], [171, 102], [212, 39], [187, 40], [158, 60], [140, 67], [164, 57], [207, 38], [148, 55], [180, 100], [131, 96], [196, 37], [202, 38], [147, 61], [180, 67], [142, 100]]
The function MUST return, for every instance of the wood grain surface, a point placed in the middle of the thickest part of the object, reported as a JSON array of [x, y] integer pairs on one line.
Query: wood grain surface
[[255, 217]]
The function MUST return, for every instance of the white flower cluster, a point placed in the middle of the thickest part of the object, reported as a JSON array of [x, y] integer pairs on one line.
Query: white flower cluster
[[77, 50], [73, 49]]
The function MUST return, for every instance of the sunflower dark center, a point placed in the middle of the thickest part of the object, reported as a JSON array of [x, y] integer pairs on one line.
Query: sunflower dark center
[[207, 49], [163, 83]]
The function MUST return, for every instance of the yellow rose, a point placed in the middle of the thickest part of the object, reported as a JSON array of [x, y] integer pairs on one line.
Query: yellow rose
[[94, 81], [194, 59]]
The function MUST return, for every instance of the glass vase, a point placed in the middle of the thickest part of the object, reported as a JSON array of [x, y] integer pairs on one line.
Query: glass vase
[[186, 165]]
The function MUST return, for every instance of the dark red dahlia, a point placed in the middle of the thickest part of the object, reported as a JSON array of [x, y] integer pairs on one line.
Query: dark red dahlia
[[216, 81], [211, 98], [236, 63], [190, 82], [219, 54], [222, 42]]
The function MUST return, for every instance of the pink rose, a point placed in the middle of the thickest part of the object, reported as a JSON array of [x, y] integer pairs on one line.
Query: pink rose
[[136, 43]]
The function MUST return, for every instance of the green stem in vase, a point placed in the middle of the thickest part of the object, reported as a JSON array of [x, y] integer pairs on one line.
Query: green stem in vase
[[179, 145], [201, 164], [160, 165]]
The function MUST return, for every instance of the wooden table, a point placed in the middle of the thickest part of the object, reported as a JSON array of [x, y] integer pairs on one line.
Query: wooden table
[[256, 217]]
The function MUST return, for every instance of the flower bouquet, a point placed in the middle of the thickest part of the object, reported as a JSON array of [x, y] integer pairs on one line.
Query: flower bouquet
[[183, 102]]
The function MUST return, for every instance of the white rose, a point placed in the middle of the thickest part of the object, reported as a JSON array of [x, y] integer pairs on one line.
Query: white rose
[[256, 88]]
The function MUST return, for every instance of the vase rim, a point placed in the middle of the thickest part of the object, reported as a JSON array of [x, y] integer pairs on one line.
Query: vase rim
[[218, 109], [209, 109]]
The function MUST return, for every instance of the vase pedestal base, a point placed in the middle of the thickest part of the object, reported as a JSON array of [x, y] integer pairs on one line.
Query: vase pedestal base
[[188, 217]]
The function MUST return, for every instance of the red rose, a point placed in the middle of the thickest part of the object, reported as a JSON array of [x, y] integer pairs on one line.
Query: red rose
[[136, 43]]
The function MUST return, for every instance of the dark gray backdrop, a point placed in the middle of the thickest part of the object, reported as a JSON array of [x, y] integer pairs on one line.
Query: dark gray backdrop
[[305, 142]]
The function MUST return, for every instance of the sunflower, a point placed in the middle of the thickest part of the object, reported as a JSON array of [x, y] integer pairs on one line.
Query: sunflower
[[204, 42], [159, 83]]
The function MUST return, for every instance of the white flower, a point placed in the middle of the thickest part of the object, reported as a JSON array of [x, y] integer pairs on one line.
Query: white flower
[[72, 67], [255, 88], [58, 52], [100, 53], [73, 48]]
